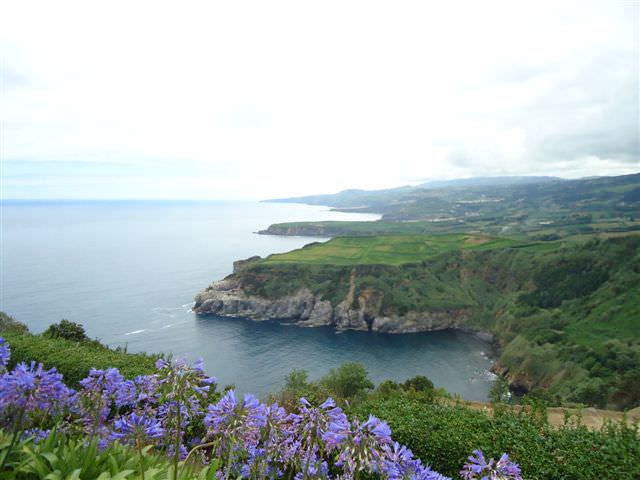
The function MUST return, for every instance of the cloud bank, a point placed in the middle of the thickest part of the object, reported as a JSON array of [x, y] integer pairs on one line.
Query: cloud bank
[[263, 99]]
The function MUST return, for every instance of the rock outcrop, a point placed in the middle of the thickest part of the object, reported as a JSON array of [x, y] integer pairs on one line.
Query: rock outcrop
[[520, 383], [361, 312]]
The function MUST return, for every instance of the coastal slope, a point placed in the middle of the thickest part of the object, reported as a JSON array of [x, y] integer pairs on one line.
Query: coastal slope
[[538, 208], [563, 315]]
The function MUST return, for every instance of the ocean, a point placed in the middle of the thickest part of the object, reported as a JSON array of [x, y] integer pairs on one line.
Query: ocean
[[128, 271]]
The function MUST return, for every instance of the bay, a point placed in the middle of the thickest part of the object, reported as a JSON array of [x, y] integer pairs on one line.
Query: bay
[[128, 271]]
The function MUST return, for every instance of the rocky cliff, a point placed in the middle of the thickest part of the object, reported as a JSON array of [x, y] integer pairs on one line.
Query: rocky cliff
[[356, 311]]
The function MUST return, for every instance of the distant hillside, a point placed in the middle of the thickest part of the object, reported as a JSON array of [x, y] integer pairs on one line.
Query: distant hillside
[[357, 197], [486, 181], [542, 206]]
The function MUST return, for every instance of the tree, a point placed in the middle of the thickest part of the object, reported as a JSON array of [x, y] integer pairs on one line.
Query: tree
[[67, 330], [347, 381], [419, 383], [297, 380]]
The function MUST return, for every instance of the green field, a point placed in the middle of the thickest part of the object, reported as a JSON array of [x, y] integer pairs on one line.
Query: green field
[[344, 228], [392, 249]]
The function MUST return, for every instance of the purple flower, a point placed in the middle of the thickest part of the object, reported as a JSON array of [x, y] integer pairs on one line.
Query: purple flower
[[507, 468], [425, 473], [273, 449], [326, 422], [34, 388], [378, 428], [235, 420], [102, 393], [314, 429], [36, 434], [479, 468], [136, 429], [5, 354], [198, 365], [167, 413], [146, 388], [318, 469], [162, 363], [365, 449], [183, 451], [111, 385], [179, 381], [397, 460], [239, 426]]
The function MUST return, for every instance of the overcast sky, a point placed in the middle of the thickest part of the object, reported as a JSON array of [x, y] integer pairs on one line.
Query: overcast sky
[[261, 99]]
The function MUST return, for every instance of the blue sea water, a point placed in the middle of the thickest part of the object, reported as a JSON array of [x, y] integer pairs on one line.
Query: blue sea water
[[128, 271]]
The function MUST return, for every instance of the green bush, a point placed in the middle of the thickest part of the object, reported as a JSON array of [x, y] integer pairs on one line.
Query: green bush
[[62, 457], [75, 359], [419, 383], [348, 381], [442, 435], [9, 324], [67, 330]]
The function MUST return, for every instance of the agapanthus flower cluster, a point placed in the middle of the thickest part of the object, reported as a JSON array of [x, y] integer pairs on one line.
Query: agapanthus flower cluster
[[137, 430], [182, 394], [177, 410], [29, 388], [478, 468], [5, 354]]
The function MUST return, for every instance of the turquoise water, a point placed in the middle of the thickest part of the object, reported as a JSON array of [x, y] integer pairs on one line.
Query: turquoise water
[[128, 271]]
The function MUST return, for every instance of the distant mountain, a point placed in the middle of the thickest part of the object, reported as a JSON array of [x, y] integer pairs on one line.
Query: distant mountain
[[353, 198], [493, 205], [347, 198], [487, 181]]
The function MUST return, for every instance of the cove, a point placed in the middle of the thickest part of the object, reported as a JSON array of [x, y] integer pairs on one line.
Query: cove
[[128, 272]]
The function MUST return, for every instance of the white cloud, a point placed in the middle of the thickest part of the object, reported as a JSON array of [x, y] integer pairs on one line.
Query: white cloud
[[263, 99]]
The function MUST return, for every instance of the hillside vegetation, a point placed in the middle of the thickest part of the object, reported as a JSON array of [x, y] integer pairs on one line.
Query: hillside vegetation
[[387, 250], [541, 208], [72, 354], [111, 427], [565, 315]]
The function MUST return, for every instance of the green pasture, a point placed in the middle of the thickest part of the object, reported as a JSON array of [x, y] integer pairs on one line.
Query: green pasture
[[391, 249]]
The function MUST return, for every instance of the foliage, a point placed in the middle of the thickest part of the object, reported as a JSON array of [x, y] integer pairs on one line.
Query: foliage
[[9, 325], [348, 381], [499, 391], [564, 313], [75, 359], [61, 456], [178, 408], [442, 434], [67, 330], [387, 249], [419, 383], [542, 207]]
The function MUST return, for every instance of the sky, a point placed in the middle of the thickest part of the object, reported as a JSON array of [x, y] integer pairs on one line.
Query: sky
[[251, 100]]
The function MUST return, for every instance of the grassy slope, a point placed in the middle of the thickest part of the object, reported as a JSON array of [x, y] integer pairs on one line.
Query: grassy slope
[[387, 250], [438, 433], [72, 359], [566, 313]]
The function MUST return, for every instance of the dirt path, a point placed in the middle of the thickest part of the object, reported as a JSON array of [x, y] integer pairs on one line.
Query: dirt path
[[590, 417]]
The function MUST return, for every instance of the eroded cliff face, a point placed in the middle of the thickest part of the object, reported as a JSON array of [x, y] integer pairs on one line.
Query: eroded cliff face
[[520, 383], [354, 312]]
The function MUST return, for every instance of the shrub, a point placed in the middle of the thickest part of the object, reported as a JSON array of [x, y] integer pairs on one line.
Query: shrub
[[441, 435], [9, 325], [75, 359], [348, 381], [67, 330], [178, 407], [419, 383]]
